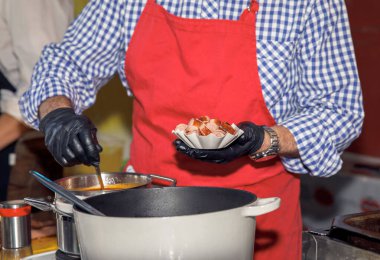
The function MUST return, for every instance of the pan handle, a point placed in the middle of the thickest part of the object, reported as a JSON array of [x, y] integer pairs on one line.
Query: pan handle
[[162, 178], [45, 206], [261, 206]]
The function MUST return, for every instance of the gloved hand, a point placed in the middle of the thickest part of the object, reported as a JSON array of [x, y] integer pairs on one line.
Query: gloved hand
[[70, 138], [249, 142]]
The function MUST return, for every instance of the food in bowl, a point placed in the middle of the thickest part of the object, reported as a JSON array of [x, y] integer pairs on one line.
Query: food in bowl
[[207, 133], [205, 126]]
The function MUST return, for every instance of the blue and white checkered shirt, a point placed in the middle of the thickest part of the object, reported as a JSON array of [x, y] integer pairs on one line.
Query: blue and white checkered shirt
[[306, 64]]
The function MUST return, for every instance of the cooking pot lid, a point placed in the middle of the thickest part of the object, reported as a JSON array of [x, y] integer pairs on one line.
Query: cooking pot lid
[[169, 201]]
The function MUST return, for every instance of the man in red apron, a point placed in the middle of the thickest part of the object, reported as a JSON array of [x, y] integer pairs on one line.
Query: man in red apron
[[179, 68], [196, 77]]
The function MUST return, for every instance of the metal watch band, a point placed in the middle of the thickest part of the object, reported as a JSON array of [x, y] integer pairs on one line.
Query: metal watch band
[[273, 149]]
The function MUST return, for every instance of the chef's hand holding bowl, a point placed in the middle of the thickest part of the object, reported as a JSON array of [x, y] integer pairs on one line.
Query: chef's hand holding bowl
[[248, 143]]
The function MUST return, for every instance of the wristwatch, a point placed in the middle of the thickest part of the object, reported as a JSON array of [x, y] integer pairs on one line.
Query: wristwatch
[[273, 149]]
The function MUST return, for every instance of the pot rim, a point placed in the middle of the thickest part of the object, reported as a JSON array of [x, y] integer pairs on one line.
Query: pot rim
[[143, 180], [254, 200], [103, 173]]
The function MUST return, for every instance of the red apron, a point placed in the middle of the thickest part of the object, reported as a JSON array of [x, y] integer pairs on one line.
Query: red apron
[[179, 68]]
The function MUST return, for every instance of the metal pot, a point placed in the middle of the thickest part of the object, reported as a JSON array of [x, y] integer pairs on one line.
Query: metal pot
[[66, 231], [171, 223], [79, 185]]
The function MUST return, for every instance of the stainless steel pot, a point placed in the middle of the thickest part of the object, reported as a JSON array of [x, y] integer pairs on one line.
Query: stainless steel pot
[[171, 223], [66, 235], [66, 231], [79, 184]]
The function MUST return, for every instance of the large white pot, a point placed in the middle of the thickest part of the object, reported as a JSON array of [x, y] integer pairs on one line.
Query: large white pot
[[172, 223], [84, 186]]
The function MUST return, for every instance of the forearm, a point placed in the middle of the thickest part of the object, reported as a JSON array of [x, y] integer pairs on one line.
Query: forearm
[[53, 103], [330, 111], [11, 129], [288, 145], [63, 70]]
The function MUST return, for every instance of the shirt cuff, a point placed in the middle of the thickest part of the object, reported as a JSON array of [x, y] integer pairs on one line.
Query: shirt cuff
[[33, 97], [318, 154]]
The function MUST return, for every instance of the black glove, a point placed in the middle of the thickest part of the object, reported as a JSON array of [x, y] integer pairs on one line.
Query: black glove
[[70, 138], [249, 142]]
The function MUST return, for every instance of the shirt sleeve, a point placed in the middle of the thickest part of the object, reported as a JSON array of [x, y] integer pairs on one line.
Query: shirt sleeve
[[86, 58], [29, 25], [329, 96]]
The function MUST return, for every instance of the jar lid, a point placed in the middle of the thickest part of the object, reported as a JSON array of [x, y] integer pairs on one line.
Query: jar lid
[[14, 208], [12, 204]]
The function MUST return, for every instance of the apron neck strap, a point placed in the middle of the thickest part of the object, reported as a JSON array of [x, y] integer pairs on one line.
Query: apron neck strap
[[254, 6]]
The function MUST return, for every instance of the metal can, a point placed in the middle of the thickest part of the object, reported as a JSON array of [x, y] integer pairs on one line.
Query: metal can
[[15, 224]]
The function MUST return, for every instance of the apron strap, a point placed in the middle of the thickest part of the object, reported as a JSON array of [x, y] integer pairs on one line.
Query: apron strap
[[254, 6]]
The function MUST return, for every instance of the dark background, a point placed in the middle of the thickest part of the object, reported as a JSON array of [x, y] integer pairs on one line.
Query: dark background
[[365, 27]]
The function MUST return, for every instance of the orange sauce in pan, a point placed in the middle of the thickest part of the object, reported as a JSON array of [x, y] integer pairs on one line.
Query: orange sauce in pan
[[119, 186]]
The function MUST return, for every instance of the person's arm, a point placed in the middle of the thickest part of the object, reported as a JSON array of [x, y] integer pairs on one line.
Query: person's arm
[[330, 101], [67, 78], [52, 104], [29, 25], [287, 143], [77, 67], [10, 130], [25, 23]]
